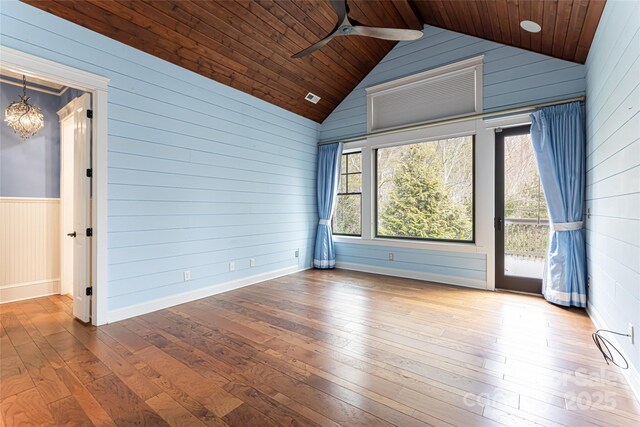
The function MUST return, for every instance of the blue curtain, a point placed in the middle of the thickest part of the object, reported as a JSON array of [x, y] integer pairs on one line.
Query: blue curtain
[[558, 138], [329, 162]]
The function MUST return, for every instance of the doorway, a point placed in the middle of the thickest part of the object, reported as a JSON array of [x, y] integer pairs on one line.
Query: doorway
[[521, 218], [97, 86]]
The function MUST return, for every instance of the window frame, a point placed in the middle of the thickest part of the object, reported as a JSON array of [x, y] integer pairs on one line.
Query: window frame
[[333, 217], [375, 212]]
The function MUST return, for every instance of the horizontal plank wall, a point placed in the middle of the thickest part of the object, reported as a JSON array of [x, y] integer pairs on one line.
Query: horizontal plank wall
[[29, 248], [200, 174], [456, 268], [613, 176], [512, 77]]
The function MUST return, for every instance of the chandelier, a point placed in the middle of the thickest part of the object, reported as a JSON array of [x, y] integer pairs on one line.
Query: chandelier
[[25, 119]]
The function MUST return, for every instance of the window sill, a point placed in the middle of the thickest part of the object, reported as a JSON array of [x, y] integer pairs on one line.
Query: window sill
[[413, 244]]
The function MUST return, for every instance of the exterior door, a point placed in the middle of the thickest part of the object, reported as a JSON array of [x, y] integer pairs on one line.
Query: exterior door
[[521, 219]]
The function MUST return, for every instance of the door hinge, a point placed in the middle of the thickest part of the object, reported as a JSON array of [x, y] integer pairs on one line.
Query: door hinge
[[89, 291], [89, 232], [89, 114], [89, 173]]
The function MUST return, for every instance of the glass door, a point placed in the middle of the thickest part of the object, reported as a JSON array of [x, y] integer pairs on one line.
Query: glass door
[[521, 219]]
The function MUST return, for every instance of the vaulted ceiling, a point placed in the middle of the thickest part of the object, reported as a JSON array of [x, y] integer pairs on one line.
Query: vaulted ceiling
[[247, 44]]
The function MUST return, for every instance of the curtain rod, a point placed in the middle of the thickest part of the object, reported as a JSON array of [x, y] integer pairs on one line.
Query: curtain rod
[[455, 120]]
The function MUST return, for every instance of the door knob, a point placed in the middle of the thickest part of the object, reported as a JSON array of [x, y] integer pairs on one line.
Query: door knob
[[71, 234]]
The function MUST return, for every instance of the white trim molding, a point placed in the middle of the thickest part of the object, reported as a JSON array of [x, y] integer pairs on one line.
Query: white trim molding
[[98, 86], [411, 244], [170, 301], [29, 199], [27, 290], [508, 121], [631, 375], [417, 275]]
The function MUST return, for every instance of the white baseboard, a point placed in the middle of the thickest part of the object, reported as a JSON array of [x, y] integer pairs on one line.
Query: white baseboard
[[631, 375], [27, 290], [170, 301], [429, 277]]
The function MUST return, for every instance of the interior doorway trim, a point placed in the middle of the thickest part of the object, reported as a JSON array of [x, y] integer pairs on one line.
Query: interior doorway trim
[[28, 64]]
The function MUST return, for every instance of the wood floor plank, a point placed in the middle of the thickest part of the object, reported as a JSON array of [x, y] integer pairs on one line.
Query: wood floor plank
[[86, 366], [125, 337], [172, 412], [14, 377], [13, 328], [192, 405], [6, 346], [42, 373], [316, 348], [245, 415], [68, 412], [200, 388], [26, 409], [52, 356], [268, 406], [122, 404], [85, 399]]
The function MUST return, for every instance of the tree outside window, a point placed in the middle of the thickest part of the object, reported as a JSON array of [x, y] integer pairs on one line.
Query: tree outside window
[[425, 190], [348, 212]]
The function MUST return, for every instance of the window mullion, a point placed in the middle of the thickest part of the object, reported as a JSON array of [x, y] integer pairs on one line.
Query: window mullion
[[367, 205]]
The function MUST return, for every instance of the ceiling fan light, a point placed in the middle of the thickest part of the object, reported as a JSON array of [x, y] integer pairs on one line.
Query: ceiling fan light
[[530, 26]]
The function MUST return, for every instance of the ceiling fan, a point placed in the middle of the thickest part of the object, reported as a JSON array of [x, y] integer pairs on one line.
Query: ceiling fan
[[347, 27]]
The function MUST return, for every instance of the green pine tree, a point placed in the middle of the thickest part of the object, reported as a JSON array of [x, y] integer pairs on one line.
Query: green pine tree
[[418, 205]]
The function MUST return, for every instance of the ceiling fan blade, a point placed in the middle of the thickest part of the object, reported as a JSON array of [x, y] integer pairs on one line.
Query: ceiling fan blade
[[397, 34], [314, 47], [340, 6]]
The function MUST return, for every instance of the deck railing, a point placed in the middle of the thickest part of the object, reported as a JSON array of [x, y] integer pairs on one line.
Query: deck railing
[[526, 238]]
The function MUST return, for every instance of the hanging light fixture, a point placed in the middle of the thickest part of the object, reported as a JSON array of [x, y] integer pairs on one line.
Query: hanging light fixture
[[25, 119]]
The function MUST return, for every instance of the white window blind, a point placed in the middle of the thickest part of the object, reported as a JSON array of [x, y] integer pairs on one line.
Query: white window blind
[[449, 91]]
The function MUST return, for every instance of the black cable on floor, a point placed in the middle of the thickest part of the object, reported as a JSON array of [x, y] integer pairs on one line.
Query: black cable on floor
[[604, 345]]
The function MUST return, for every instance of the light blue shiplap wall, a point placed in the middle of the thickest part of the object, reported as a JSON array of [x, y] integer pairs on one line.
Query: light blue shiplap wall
[[613, 172], [200, 174], [462, 268], [512, 77]]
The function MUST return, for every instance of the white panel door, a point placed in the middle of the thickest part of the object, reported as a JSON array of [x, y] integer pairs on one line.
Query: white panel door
[[81, 206], [67, 138]]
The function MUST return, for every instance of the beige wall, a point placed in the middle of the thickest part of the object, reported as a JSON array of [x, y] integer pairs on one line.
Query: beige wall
[[29, 248]]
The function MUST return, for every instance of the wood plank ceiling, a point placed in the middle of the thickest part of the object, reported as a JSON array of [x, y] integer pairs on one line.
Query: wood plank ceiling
[[247, 44]]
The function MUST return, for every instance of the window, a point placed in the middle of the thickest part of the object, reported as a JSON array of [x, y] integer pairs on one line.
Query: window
[[426, 190], [348, 213]]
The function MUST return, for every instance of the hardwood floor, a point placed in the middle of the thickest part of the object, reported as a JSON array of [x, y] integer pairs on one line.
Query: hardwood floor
[[317, 348]]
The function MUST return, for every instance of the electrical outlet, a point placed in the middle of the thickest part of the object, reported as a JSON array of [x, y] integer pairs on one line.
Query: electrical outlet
[[391, 256], [297, 253], [186, 275], [630, 332], [252, 262], [232, 266]]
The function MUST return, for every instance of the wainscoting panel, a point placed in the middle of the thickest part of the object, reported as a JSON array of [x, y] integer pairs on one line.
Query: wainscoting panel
[[29, 248]]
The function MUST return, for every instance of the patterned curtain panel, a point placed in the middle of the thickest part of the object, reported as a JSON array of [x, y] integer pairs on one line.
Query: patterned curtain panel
[[329, 160], [558, 136]]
